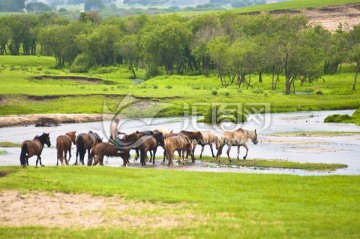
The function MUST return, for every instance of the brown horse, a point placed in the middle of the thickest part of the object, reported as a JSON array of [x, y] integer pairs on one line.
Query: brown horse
[[237, 138], [180, 143], [106, 149], [63, 145], [208, 139], [33, 147], [128, 142], [85, 141], [150, 143], [195, 137]]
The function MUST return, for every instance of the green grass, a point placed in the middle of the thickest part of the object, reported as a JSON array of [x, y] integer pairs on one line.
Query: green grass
[[336, 118], [9, 144], [70, 96], [235, 205], [291, 5], [281, 164], [3, 152]]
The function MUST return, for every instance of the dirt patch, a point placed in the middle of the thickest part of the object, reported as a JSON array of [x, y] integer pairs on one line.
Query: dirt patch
[[331, 17], [74, 78], [87, 211], [4, 173]]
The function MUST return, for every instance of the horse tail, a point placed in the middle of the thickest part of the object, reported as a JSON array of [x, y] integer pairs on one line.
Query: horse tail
[[59, 149], [142, 155], [91, 155], [24, 149], [80, 145]]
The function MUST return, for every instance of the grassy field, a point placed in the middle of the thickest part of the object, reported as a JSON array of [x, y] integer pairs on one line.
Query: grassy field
[[225, 205], [19, 90], [294, 4]]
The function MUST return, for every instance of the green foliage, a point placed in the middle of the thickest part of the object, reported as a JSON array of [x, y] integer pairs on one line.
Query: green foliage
[[337, 118]]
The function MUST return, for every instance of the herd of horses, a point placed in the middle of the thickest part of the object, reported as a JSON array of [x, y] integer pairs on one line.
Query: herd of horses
[[142, 142]]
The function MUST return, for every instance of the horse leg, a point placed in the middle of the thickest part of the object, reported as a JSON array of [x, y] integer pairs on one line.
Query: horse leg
[[212, 151], [238, 151], [163, 162], [39, 159], [153, 157], [202, 150], [169, 156], [136, 155], [77, 154], [219, 152], [67, 161], [228, 152], [247, 149]]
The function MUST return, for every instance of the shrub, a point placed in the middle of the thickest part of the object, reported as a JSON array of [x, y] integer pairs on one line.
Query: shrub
[[336, 118], [168, 87], [81, 64], [214, 92]]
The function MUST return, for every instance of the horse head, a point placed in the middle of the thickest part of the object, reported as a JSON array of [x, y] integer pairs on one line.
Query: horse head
[[72, 135], [253, 137], [159, 138], [45, 138]]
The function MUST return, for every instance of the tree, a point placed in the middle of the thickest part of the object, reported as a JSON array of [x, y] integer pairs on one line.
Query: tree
[[99, 44], [354, 52], [336, 49], [302, 55], [60, 41], [128, 48], [243, 59], [218, 49], [166, 45]]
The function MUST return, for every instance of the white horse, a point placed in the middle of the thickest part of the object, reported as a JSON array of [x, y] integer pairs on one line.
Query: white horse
[[237, 138], [208, 139]]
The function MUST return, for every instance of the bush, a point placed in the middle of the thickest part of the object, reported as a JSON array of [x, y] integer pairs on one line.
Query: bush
[[168, 87], [336, 118], [81, 64], [214, 92]]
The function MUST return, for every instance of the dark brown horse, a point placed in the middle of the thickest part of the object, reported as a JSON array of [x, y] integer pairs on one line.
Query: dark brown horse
[[85, 141], [63, 145], [106, 149], [180, 143], [237, 138], [128, 142], [33, 147], [150, 143], [195, 137]]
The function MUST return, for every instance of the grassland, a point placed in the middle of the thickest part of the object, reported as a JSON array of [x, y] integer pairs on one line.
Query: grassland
[[225, 205], [19, 90], [294, 4]]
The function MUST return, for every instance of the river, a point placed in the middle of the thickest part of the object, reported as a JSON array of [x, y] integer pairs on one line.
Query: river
[[273, 143]]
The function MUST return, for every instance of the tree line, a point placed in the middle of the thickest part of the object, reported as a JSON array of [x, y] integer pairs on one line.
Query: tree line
[[236, 47]]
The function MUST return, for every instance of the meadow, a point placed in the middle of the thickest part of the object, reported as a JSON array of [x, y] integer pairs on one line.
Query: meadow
[[19, 88], [218, 205]]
